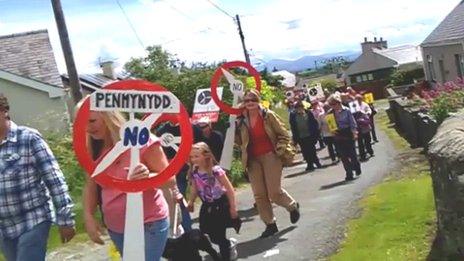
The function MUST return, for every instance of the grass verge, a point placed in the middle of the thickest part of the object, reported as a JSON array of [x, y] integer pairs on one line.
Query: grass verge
[[398, 218]]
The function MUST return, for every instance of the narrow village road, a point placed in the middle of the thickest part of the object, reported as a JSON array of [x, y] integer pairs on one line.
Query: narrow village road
[[326, 203]]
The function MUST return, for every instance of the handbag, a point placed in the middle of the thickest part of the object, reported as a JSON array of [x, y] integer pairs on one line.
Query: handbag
[[286, 152]]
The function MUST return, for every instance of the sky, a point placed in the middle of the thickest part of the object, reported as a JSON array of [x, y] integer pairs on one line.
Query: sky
[[196, 30]]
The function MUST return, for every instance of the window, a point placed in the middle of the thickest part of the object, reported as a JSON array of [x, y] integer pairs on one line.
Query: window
[[364, 77], [370, 77], [358, 79], [430, 68], [459, 58]]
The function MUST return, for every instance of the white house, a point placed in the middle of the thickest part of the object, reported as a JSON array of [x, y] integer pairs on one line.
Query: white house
[[289, 78]]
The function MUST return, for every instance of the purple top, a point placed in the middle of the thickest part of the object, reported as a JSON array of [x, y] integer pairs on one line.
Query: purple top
[[208, 186]]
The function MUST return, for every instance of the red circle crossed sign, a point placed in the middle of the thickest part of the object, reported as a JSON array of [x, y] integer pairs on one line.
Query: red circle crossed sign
[[104, 179], [217, 77]]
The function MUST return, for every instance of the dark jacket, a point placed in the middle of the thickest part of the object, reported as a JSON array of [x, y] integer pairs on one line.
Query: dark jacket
[[313, 126]]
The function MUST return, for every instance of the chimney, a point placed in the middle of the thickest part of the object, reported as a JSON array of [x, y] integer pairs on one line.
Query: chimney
[[367, 46], [108, 69]]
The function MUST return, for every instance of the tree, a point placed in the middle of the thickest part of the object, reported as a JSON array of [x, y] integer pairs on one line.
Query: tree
[[329, 84]]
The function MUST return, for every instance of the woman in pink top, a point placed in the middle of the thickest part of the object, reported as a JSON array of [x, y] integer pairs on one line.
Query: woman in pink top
[[103, 134]]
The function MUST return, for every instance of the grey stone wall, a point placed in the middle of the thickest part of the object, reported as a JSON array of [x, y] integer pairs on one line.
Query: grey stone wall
[[446, 156]]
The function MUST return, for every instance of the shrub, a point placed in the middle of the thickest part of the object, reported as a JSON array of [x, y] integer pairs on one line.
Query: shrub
[[403, 77], [61, 145]]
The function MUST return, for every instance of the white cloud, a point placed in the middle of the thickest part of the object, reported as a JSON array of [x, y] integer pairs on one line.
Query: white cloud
[[196, 31]]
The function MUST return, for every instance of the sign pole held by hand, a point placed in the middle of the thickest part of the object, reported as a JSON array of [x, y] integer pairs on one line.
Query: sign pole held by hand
[[237, 88], [134, 249], [132, 96]]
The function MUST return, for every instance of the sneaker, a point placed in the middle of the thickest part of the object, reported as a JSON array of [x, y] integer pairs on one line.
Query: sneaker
[[349, 178], [295, 214], [358, 172], [271, 229], [233, 249], [310, 167]]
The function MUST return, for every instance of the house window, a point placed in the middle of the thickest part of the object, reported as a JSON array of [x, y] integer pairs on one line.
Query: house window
[[430, 67], [364, 78], [459, 58], [370, 77], [358, 79]]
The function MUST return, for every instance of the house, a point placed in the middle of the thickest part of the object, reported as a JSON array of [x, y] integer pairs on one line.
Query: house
[[443, 49], [370, 72], [30, 80], [289, 78]]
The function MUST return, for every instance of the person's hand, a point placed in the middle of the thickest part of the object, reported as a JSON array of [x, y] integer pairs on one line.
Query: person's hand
[[66, 233], [94, 230], [139, 172], [233, 213], [190, 206]]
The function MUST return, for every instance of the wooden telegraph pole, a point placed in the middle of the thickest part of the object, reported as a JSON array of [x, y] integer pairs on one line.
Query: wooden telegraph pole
[[242, 38], [67, 52]]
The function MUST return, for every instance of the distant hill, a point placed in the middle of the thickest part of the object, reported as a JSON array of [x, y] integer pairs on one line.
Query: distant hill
[[306, 62]]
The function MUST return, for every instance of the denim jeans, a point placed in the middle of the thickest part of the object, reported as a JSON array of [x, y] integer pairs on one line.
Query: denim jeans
[[182, 184], [30, 246], [156, 235]]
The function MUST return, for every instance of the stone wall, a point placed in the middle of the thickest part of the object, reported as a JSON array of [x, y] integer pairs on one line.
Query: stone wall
[[446, 156]]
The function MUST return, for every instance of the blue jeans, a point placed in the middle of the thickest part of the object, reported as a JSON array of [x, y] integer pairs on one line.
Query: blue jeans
[[182, 184], [156, 235], [30, 246]]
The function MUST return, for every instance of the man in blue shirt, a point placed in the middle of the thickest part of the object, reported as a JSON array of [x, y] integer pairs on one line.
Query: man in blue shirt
[[30, 182]]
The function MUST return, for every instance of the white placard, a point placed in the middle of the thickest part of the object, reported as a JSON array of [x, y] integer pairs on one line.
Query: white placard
[[134, 101], [354, 107], [316, 93], [204, 102]]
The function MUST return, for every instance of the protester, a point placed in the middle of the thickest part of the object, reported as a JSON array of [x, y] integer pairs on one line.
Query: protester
[[345, 136], [305, 132], [218, 210], [213, 138], [327, 135], [103, 133], [317, 108], [181, 177], [371, 117], [364, 128], [31, 182], [265, 146]]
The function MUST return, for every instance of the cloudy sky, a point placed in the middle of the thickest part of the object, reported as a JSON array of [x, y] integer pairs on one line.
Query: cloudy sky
[[196, 30]]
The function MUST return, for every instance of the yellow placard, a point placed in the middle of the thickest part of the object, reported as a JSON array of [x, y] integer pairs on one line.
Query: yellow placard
[[306, 105], [369, 98], [331, 122]]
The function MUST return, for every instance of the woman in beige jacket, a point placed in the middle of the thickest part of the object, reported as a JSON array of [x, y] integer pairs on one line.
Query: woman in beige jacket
[[262, 136]]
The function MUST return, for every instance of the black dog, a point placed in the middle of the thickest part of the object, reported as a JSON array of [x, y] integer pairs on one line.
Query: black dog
[[187, 246]]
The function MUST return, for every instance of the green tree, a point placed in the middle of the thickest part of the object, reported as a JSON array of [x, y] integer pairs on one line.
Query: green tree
[[329, 84]]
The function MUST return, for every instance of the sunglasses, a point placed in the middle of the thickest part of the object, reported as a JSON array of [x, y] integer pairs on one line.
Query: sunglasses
[[250, 100]]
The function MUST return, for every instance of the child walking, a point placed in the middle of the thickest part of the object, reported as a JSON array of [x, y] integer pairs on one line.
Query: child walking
[[218, 210]]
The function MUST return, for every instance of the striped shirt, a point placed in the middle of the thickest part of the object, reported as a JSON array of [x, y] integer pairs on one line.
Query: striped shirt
[[30, 181]]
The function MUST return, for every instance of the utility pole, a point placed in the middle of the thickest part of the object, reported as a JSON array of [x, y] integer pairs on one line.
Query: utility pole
[[247, 57], [67, 52]]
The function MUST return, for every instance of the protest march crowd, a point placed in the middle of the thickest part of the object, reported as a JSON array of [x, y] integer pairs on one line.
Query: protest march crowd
[[34, 194]]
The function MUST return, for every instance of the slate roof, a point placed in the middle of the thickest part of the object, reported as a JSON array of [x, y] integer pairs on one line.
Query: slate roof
[[450, 29], [30, 55], [402, 54], [96, 80]]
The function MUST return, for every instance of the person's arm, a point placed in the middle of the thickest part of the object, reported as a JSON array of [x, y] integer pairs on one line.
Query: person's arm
[[293, 129], [230, 193], [193, 195], [278, 126], [50, 172], [90, 204], [156, 161]]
